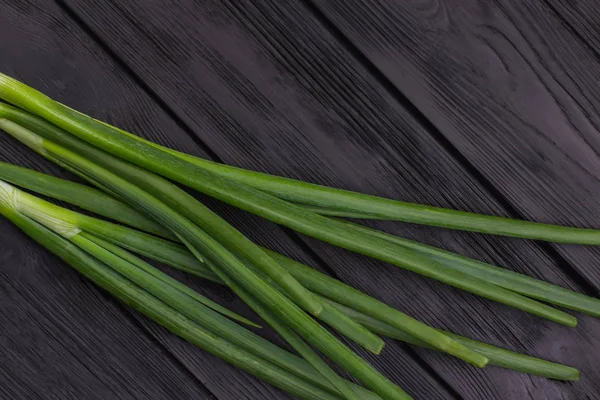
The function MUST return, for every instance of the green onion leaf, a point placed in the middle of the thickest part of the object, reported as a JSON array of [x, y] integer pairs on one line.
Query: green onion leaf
[[338, 202], [142, 301], [223, 259]]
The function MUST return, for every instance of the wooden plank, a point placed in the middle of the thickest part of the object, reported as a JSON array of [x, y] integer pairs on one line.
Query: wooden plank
[[507, 86], [267, 87]]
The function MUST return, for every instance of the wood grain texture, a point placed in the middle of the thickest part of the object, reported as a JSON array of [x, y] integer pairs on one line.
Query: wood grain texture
[[583, 17], [266, 86]]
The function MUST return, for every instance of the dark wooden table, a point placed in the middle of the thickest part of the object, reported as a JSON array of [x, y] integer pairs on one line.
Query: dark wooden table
[[486, 106]]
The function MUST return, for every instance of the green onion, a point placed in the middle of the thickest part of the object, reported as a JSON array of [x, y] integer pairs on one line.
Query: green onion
[[172, 292], [224, 232], [332, 199], [502, 277], [190, 208], [68, 223], [180, 258], [288, 334], [148, 246], [353, 300], [113, 255], [165, 284], [332, 317], [497, 356], [166, 316], [331, 231], [269, 207], [223, 259], [79, 195]]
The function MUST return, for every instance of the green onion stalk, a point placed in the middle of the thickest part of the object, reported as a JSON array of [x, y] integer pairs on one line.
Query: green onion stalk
[[301, 381], [85, 197], [343, 297], [498, 356], [332, 201], [100, 203], [336, 232], [224, 261], [152, 247], [176, 198]]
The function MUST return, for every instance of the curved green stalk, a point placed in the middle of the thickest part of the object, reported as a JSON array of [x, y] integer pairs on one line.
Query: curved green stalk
[[185, 301], [288, 334], [162, 282], [330, 315], [150, 246], [69, 224], [276, 210], [137, 271], [305, 222], [498, 356], [300, 192], [164, 190], [161, 313], [83, 196], [144, 244], [182, 259], [176, 198], [375, 312], [501, 277], [221, 257]]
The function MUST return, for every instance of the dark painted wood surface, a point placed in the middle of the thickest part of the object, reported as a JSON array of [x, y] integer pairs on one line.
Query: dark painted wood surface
[[297, 90]]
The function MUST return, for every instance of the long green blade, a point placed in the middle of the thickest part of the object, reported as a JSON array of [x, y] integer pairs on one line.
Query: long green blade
[[66, 222], [332, 317], [169, 284], [137, 271], [184, 300], [284, 308], [184, 260], [176, 198], [332, 289], [288, 334], [205, 218], [80, 195], [68, 191], [354, 300], [498, 356], [281, 212], [329, 198], [166, 316], [502, 277], [143, 245]]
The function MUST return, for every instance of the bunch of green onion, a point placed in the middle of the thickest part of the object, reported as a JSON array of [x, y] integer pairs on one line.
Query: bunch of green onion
[[161, 221]]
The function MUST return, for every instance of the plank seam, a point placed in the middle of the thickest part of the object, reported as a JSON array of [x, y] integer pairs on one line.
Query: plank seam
[[181, 121], [584, 284]]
